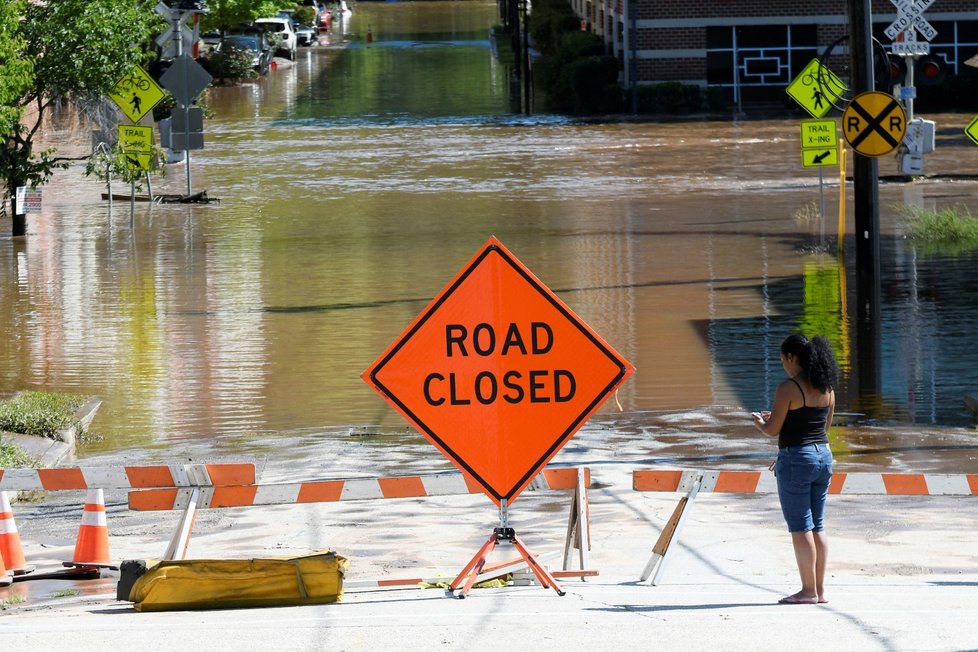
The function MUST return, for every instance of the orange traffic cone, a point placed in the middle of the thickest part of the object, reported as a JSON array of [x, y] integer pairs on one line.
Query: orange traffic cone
[[92, 546], [11, 551], [5, 578]]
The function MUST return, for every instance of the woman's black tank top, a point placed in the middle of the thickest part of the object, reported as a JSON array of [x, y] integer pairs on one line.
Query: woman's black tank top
[[804, 425]]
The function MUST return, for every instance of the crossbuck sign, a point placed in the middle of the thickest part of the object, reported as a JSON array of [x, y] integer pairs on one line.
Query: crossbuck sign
[[910, 17]]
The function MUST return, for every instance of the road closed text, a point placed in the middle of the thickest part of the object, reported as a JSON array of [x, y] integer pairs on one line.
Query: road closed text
[[533, 385]]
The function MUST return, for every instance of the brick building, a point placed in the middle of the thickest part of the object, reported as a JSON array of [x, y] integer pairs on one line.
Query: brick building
[[752, 48]]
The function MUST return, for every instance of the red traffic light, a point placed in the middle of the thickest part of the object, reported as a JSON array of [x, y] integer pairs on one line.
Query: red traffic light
[[898, 70], [930, 70]]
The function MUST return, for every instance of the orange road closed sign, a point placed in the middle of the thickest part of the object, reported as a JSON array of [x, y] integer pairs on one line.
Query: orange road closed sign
[[497, 372]]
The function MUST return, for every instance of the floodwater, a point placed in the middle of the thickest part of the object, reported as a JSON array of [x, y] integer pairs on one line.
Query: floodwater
[[356, 183]]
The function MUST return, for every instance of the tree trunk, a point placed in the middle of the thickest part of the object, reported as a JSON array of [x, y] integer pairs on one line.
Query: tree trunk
[[19, 222]]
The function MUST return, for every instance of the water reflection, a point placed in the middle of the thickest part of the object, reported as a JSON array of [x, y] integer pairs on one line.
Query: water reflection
[[355, 183]]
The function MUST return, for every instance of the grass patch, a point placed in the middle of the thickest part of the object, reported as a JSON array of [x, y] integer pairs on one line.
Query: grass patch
[[13, 599], [13, 456], [949, 230], [42, 414], [67, 593]]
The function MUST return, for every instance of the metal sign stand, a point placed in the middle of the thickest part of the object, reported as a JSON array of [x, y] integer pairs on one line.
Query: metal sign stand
[[501, 535]]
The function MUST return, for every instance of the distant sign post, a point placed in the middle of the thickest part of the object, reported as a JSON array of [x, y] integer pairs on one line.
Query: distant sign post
[[498, 373], [816, 88]]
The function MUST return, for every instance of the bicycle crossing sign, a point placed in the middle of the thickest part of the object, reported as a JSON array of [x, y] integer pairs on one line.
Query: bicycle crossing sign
[[136, 94], [874, 123], [816, 88]]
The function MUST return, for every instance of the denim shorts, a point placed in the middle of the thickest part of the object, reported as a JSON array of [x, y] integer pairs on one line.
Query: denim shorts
[[803, 474]]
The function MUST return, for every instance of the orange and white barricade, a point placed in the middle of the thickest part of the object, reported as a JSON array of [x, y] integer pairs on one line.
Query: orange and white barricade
[[693, 482], [92, 543], [189, 499]]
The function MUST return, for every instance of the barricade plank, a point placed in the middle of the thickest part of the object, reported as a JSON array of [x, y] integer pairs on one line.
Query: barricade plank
[[315, 491], [755, 482], [127, 477]]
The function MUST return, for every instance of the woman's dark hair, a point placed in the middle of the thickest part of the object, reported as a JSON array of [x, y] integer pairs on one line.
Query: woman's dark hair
[[816, 358]]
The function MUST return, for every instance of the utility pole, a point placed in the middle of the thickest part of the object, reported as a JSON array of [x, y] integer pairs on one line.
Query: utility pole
[[865, 177]]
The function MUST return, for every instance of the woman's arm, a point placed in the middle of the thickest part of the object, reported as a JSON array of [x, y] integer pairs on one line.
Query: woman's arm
[[782, 403], [831, 414]]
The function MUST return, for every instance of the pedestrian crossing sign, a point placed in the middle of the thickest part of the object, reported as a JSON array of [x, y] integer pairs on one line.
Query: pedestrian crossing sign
[[136, 94], [816, 88]]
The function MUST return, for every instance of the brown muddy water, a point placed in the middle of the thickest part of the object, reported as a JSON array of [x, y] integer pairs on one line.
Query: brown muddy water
[[356, 183]]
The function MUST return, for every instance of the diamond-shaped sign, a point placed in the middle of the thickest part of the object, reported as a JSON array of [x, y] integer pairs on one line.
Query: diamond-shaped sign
[[185, 79], [136, 94], [497, 372]]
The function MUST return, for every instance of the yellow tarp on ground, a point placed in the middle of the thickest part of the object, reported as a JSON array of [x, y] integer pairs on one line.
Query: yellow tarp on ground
[[229, 583]]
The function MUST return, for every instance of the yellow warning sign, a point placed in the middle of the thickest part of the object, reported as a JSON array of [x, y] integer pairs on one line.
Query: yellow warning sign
[[874, 123], [820, 158], [816, 88], [136, 94], [819, 143], [136, 144], [971, 131]]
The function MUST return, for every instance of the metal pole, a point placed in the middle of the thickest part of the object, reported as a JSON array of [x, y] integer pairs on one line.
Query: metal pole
[[865, 176], [526, 57], [186, 109]]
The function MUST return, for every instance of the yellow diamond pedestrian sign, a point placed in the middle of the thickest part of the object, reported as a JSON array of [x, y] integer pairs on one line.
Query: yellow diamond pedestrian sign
[[819, 143], [816, 88], [971, 131], [136, 144], [136, 94], [874, 123]]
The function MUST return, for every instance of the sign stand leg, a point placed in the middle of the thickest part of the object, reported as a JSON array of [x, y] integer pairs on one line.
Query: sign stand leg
[[670, 533], [181, 538], [502, 534], [578, 533]]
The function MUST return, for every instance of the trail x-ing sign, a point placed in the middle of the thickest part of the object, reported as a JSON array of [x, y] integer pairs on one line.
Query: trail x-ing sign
[[497, 372]]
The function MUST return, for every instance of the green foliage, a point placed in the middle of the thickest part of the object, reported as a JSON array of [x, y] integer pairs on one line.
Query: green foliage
[[231, 62], [106, 163], [677, 98], [16, 74], [66, 49], [557, 72], [224, 15], [40, 413], [593, 82], [11, 599], [13, 456], [947, 231], [305, 15]]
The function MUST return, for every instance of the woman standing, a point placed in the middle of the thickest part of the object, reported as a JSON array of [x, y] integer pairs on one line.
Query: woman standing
[[800, 418]]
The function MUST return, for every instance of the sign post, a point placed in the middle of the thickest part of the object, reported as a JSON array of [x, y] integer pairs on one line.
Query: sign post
[[498, 373]]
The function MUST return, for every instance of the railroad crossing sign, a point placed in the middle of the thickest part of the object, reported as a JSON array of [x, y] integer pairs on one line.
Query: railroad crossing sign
[[819, 143], [909, 17], [874, 123], [971, 131], [136, 144], [497, 372], [136, 94], [816, 88]]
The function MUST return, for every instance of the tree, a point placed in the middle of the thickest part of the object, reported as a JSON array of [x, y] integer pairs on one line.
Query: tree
[[60, 50], [224, 15]]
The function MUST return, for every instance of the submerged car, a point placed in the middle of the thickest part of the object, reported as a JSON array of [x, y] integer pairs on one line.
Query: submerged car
[[282, 29], [253, 44], [306, 34]]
